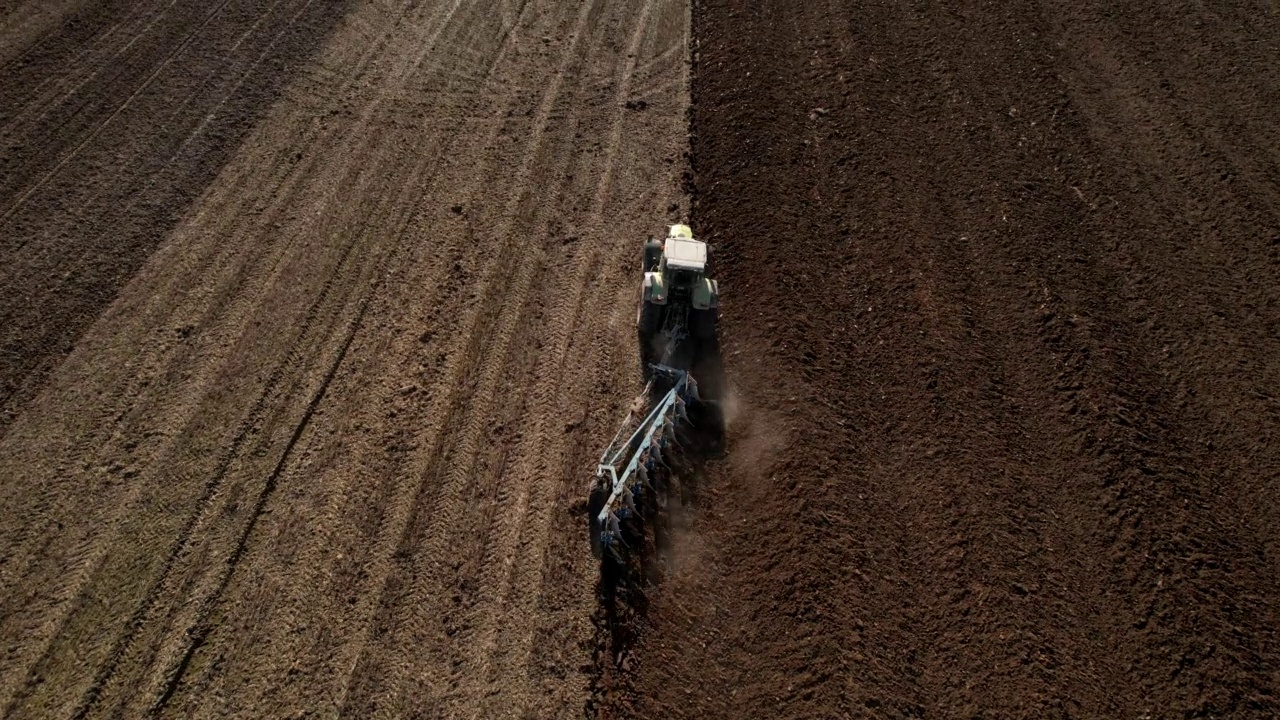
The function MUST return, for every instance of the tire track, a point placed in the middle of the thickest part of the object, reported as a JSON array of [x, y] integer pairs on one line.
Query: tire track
[[160, 174], [15, 23], [495, 467], [540, 452], [214, 599], [237, 441], [613, 267], [506, 565], [201, 628], [296, 359], [134, 150], [216, 304], [256, 419], [94, 565], [248, 427], [71, 70], [466, 363], [364, 62], [109, 435], [432, 283]]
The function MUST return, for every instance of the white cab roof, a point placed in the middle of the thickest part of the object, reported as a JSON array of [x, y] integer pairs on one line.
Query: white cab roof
[[685, 254]]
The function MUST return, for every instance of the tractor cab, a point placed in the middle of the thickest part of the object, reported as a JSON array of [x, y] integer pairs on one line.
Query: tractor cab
[[676, 269]]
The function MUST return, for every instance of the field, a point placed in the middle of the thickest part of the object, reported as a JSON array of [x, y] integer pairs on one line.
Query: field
[[314, 315]]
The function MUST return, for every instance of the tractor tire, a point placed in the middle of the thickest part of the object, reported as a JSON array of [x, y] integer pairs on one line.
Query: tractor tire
[[705, 346], [648, 326], [652, 255], [702, 325], [709, 428], [595, 503], [702, 332]]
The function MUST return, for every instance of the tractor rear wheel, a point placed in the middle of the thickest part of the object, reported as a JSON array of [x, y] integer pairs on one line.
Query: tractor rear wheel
[[705, 346], [702, 325], [647, 328], [652, 255]]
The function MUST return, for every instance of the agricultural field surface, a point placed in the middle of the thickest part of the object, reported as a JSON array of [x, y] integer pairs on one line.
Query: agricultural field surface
[[315, 316]]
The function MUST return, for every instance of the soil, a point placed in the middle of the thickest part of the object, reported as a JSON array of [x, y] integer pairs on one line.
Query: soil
[[1000, 311], [314, 313], [114, 116], [314, 317]]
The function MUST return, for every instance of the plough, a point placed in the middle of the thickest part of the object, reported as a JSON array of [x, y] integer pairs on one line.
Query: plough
[[639, 464]]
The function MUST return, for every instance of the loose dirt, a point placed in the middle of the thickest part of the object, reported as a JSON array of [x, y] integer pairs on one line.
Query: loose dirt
[[314, 316], [1001, 314]]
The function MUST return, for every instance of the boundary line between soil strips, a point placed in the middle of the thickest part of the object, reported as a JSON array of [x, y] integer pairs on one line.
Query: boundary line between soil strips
[[622, 606]]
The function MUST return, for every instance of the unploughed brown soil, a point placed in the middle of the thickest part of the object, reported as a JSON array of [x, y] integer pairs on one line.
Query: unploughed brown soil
[[1002, 313], [313, 316]]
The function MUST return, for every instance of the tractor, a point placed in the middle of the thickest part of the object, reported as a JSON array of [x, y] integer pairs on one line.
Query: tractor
[[677, 318], [676, 329]]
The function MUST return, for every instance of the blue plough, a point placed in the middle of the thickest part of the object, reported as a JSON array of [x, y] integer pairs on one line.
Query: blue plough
[[627, 465]]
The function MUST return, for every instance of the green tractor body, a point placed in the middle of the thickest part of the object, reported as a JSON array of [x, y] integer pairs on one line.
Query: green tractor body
[[676, 323]]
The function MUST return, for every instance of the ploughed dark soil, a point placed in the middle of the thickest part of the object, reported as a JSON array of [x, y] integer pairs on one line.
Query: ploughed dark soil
[[1001, 310]]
